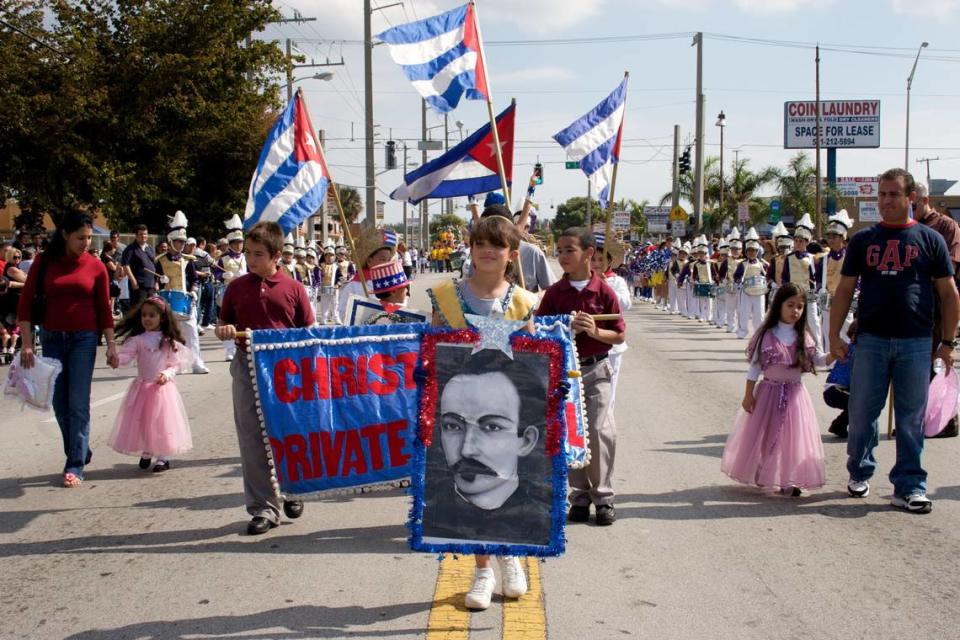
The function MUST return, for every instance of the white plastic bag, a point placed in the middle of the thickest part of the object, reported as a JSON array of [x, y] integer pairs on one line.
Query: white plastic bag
[[34, 386]]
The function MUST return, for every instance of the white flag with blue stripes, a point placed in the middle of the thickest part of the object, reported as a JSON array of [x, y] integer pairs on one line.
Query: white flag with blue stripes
[[593, 140], [442, 57], [291, 179]]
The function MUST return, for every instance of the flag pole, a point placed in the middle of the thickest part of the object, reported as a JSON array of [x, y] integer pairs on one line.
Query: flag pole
[[608, 230], [493, 119], [336, 198]]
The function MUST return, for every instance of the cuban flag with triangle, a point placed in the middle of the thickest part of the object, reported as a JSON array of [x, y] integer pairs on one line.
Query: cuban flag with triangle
[[467, 169], [291, 179]]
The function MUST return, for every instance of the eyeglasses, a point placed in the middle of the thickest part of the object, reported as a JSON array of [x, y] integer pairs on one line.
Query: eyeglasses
[[16, 256]]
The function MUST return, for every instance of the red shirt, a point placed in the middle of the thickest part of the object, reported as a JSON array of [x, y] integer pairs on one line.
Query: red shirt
[[597, 297], [78, 294], [277, 302]]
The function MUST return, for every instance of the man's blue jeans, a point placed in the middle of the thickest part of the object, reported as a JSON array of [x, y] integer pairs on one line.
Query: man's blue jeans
[[905, 362], [205, 312], [77, 351]]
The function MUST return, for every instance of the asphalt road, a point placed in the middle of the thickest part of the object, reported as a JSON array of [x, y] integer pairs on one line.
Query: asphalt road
[[133, 554]]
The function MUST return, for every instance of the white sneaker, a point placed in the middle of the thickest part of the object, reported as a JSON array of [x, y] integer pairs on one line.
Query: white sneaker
[[200, 369], [915, 503], [481, 592], [858, 488], [512, 577]]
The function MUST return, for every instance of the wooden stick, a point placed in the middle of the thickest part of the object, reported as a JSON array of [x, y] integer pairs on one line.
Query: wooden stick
[[890, 413], [608, 230], [598, 317]]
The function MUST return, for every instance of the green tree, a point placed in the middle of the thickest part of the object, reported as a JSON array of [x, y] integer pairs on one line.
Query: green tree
[[154, 106], [573, 213], [741, 187], [446, 221], [686, 186], [798, 188], [351, 202]]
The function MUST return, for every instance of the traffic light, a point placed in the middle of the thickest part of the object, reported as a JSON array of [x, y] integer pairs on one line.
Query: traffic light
[[391, 153], [684, 163], [538, 173]]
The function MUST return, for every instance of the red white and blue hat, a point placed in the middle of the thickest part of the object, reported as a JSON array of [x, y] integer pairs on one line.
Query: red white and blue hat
[[386, 277]]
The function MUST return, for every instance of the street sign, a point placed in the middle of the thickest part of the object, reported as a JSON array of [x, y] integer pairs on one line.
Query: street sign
[[869, 211], [743, 211], [678, 214], [429, 145], [865, 187], [774, 216], [621, 220], [657, 218], [678, 228], [572, 164], [843, 124], [380, 205]]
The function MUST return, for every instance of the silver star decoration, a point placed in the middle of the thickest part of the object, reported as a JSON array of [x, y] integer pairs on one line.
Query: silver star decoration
[[494, 331]]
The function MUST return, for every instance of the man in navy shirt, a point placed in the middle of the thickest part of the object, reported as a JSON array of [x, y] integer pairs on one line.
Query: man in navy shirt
[[901, 265], [138, 258]]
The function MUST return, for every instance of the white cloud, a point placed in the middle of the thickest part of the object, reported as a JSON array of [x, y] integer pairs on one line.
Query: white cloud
[[925, 7], [541, 17], [534, 75], [779, 6]]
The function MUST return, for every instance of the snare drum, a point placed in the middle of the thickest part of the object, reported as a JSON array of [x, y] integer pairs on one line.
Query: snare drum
[[704, 290], [328, 291], [180, 302], [755, 285], [721, 290], [813, 297], [311, 292], [825, 299]]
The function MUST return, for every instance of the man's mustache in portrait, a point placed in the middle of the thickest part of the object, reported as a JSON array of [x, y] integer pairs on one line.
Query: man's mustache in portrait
[[468, 469]]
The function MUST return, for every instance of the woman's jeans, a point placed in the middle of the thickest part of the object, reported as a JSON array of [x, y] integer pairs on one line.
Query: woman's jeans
[[77, 351], [906, 363]]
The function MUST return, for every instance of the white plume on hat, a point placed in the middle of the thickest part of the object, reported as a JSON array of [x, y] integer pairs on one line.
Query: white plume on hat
[[686, 247], [734, 239], [752, 239], [804, 227], [780, 230], [288, 243], [840, 223], [234, 227], [177, 227], [723, 246]]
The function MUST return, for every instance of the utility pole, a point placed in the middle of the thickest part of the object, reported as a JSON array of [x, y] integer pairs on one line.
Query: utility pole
[[291, 67], [371, 190], [676, 168], [406, 230], [906, 147], [589, 220], [289, 71], [424, 214], [928, 161], [816, 215], [698, 175]]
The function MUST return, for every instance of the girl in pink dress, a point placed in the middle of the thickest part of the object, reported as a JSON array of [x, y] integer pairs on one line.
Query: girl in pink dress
[[776, 441], [152, 420]]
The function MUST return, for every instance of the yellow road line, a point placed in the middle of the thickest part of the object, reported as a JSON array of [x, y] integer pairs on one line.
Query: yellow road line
[[449, 619], [526, 618]]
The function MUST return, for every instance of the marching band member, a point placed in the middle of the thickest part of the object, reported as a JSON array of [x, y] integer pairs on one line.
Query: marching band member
[[312, 273], [701, 273], [828, 268], [300, 262], [678, 299], [751, 282], [348, 270], [177, 274], [784, 243], [726, 271], [288, 264], [800, 269], [720, 305], [232, 265], [328, 283], [686, 285]]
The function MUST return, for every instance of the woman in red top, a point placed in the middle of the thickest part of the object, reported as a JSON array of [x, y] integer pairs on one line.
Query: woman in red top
[[77, 292]]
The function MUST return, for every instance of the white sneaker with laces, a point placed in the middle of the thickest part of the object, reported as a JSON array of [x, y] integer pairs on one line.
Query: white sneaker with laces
[[915, 503], [200, 369], [512, 577], [858, 488], [478, 598]]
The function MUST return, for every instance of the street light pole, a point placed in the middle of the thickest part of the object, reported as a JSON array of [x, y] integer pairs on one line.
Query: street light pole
[[906, 151], [721, 122]]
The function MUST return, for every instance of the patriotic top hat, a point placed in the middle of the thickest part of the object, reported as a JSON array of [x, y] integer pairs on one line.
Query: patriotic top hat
[[386, 277]]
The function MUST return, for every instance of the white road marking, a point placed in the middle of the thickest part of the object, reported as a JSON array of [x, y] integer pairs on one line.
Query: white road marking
[[98, 403]]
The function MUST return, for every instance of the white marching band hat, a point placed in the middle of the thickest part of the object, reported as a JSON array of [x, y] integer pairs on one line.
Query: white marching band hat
[[734, 239], [781, 235], [752, 239], [685, 247], [804, 227], [177, 227], [288, 243], [723, 246], [840, 223], [234, 227]]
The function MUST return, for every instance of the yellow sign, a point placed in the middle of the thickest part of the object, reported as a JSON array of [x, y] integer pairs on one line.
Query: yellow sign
[[678, 214]]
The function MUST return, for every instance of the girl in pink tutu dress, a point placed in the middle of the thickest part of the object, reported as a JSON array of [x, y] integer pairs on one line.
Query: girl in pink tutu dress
[[152, 420], [776, 441]]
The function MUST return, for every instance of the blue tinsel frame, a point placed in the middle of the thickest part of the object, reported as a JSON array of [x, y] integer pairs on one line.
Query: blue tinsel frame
[[558, 516]]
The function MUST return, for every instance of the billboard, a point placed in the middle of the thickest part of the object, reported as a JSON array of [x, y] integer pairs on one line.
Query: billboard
[[869, 211], [844, 124], [656, 218], [864, 187]]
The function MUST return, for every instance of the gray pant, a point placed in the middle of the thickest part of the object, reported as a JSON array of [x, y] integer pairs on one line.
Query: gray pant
[[260, 497], [595, 483]]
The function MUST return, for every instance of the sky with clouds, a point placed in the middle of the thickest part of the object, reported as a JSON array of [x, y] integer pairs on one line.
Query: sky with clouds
[[556, 83]]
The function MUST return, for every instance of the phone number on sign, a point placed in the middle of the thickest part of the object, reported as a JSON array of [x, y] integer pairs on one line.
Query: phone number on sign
[[837, 142]]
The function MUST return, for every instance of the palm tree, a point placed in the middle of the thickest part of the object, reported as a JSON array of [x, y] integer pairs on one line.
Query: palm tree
[[351, 202], [710, 197], [740, 188], [798, 189]]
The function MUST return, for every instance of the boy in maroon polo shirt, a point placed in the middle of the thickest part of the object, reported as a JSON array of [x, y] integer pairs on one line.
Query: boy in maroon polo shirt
[[264, 298], [585, 294]]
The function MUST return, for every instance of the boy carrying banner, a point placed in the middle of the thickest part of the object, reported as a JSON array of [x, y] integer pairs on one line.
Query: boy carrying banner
[[264, 298]]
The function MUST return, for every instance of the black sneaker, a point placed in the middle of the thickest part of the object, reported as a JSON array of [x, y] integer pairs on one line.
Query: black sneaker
[[578, 513], [293, 508], [259, 525], [839, 426], [145, 463], [606, 515]]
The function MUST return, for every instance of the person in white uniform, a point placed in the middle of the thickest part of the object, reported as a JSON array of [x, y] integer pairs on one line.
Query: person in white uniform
[[800, 269], [232, 264], [750, 280], [725, 273], [828, 270]]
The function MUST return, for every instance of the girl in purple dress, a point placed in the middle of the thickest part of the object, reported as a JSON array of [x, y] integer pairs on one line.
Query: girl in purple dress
[[775, 441], [152, 420]]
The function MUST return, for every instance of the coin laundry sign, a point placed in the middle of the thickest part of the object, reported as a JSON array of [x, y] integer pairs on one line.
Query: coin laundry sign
[[850, 124]]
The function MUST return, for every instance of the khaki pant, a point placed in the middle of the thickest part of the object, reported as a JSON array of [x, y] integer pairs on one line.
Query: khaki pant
[[595, 483], [258, 492]]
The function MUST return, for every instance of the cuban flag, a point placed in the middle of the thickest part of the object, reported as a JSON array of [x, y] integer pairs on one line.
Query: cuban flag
[[442, 57], [291, 179], [593, 140], [467, 169]]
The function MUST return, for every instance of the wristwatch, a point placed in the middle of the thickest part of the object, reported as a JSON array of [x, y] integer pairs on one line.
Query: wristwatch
[[949, 343]]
